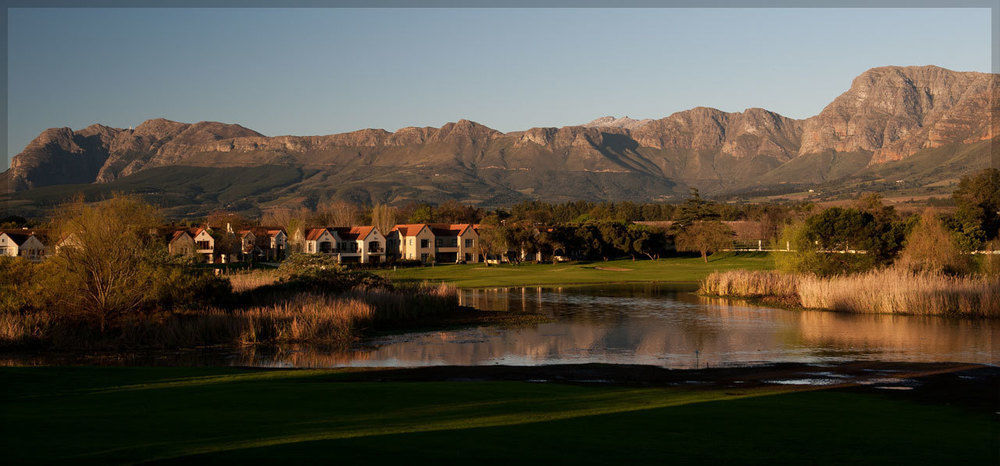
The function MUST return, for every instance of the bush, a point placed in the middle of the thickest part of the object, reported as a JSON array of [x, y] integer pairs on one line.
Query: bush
[[930, 247]]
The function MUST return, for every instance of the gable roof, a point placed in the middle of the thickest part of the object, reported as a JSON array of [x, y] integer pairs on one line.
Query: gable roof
[[353, 233], [409, 229], [17, 237], [449, 229], [314, 234], [20, 236]]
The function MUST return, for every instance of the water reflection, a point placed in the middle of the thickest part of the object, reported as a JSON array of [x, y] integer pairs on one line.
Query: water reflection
[[645, 324], [666, 326]]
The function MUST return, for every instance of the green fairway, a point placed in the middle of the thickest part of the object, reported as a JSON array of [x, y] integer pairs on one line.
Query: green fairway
[[687, 269], [127, 415]]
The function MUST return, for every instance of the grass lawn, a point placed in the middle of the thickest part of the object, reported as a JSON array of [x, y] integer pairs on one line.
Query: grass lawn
[[126, 415], [686, 269]]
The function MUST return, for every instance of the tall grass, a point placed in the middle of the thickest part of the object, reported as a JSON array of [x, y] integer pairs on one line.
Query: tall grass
[[887, 291], [247, 281], [316, 318], [902, 291]]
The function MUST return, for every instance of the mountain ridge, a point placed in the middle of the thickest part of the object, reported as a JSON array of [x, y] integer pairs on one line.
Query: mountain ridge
[[887, 115]]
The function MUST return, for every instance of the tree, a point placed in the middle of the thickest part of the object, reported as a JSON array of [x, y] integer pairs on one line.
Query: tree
[[647, 241], [339, 213], [492, 238], [293, 221], [977, 213], [693, 210], [931, 247], [105, 266], [705, 237], [383, 218]]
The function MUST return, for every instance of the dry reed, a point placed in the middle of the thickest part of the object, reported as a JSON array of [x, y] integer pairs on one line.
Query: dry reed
[[246, 281], [887, 291]]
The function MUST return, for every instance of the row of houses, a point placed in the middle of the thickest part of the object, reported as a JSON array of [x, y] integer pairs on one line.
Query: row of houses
[[425, 242]]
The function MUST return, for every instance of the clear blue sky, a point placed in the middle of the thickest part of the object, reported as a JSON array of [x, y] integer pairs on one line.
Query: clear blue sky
[[322, 71]]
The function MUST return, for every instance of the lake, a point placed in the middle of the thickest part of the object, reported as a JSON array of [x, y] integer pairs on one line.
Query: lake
[[661, 325]]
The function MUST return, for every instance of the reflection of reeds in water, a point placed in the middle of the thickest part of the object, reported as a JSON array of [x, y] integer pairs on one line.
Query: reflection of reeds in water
[[929, 338], [894, 336], [885, 291]]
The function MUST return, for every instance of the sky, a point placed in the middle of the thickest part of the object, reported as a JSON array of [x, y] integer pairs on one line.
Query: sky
[[324, 71]]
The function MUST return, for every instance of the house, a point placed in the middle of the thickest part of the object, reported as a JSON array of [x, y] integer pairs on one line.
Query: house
[[411, 242], [194, 242], [320, 241], [181, 243], [364, 244], [22, 243], [263, 243], [455, 242]]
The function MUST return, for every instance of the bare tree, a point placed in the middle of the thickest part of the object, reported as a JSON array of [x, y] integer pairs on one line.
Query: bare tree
[[383, 217], [337, 213], [293, 220]]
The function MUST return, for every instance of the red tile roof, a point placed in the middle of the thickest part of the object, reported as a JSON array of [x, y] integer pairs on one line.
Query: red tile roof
[[409, 229], [449, 229], [313, 234], [353, 233]]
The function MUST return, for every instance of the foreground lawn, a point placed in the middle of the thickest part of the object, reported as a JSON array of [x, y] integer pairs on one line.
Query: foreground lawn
[[664, 270], [128, 415]]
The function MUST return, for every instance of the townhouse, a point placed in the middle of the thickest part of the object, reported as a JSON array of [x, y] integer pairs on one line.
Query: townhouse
[[263, 244], [359, 244], [22, 243], [434, 242]]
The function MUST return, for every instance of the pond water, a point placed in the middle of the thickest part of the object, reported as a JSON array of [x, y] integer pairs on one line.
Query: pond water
[[652, 324], [660, 325]]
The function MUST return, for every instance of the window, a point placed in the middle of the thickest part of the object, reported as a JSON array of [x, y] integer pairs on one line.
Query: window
[[469, 243], [424, 243], [423, 257]]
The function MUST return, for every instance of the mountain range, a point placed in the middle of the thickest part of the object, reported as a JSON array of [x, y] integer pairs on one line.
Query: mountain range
[[907, 129]]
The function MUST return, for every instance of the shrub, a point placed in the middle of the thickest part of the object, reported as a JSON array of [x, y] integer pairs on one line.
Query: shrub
[[930, 247]]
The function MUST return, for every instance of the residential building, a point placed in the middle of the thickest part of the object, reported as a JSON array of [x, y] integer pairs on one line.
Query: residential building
[[320, 241], [22, 243], [181, 243], [455, 243], [263, 243], [364, 244], [411, 242]]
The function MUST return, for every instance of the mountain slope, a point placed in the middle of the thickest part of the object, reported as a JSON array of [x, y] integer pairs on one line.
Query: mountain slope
[[888, 115]]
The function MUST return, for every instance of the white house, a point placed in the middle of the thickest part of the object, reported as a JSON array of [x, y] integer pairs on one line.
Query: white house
[[362, 244], [22, 243]]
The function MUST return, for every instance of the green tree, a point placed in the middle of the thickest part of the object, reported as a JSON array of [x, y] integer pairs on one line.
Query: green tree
[[705, 237], [977, 212]]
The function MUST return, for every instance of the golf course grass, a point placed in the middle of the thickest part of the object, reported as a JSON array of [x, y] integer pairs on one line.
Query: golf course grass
[[107, 415], [673, 269]]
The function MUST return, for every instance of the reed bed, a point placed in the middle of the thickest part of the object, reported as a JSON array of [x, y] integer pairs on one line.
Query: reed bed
[[750, 284], [892, 291], [333, 319], [247, 281], [885, 291]]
